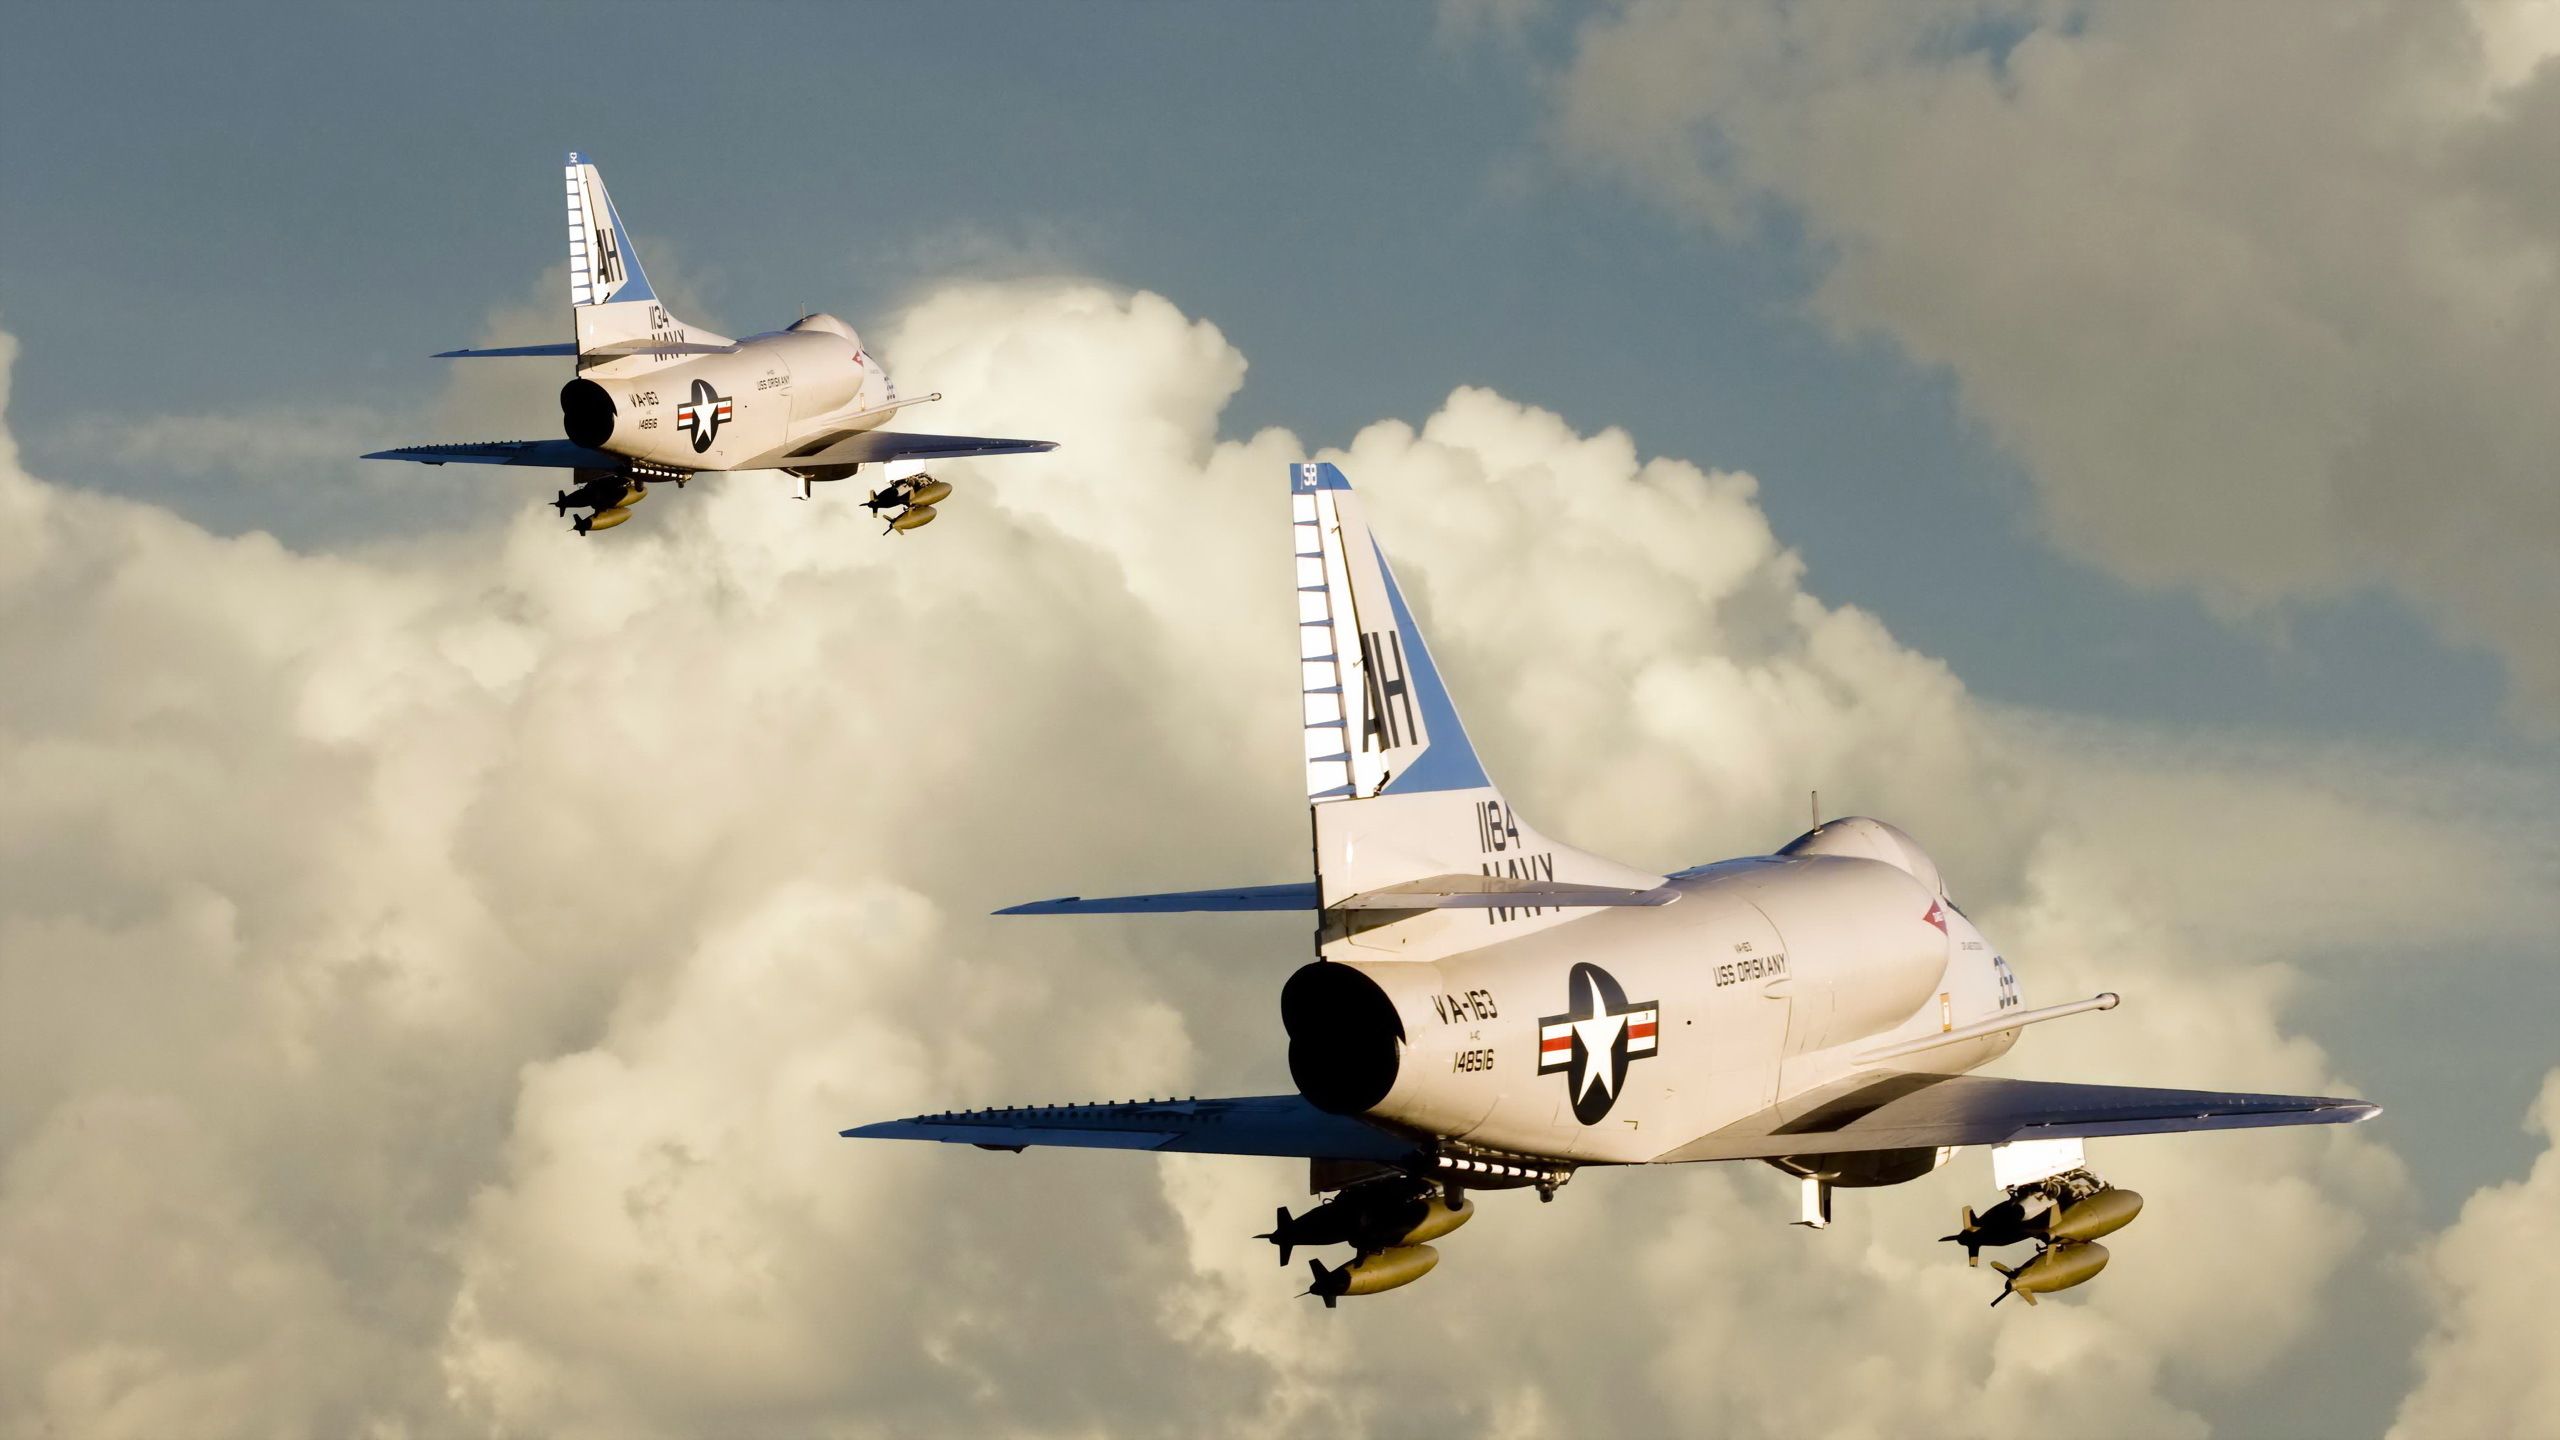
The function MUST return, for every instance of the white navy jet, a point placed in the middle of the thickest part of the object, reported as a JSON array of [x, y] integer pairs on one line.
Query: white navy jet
[[1491, 1009], [656, 399]]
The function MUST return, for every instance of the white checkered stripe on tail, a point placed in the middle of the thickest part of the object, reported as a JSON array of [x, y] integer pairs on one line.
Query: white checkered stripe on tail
[[1316, 529]]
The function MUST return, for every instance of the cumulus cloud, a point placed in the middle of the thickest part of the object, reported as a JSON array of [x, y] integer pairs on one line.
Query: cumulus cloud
[[295, 468], [2491, 1366], [458, 957], [2265, 297]]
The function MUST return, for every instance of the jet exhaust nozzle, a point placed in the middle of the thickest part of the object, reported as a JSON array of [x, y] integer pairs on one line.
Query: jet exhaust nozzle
[[1344, 1035], [587, 413], [1370, 1274]]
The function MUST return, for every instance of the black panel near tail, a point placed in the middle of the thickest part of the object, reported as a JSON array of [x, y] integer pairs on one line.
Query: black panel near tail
[[1343, 1034]]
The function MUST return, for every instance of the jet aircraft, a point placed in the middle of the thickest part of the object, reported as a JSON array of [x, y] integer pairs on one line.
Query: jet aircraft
[[1491, 1009], [655, 399]]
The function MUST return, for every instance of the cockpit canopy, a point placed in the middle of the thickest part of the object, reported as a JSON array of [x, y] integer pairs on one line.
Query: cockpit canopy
[[1865, 839], [827, 325]]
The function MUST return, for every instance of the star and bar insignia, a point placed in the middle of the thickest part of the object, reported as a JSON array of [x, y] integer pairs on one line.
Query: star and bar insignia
[[1593, 1043], [703, 415]]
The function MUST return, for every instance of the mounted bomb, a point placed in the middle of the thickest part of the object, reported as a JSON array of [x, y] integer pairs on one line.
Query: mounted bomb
[[1373, 1216], [1370, 1274]]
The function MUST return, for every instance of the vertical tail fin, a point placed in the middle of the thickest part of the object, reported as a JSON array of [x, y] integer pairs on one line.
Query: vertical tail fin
[[1398, 793], [609, 293], [1365, 664]]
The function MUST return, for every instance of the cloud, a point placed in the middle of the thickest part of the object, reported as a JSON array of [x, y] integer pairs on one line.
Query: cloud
[[2266, 299], [2491, 1366], [459, 955], [296, 469]]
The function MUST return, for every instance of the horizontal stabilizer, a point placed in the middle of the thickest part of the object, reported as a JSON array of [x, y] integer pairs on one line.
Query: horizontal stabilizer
[[508, 352], [1301, 896], [620, 349], [1438, 892], [659, 348], [1914, 1112], [1283, 1125], [1500, 892], [554, 454]]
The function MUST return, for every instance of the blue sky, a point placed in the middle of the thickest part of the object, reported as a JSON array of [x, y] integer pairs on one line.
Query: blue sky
[[405, 926], [304, 201]]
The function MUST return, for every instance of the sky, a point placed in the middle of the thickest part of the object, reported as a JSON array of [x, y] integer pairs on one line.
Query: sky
[[2108, 441]]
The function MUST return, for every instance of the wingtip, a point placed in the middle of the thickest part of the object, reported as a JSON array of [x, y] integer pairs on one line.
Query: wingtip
[[1037, 907]]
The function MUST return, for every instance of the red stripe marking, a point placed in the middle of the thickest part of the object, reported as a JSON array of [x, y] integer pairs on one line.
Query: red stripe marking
[[1564, 1042], [1640, 1031]]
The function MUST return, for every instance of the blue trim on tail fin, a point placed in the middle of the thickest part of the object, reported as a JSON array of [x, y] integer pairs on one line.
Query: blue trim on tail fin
[[637, 286], [635, 280], [1449, 762], [1308, 477]]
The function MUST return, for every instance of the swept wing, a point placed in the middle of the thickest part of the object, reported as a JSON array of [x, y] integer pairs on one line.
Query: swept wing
[[1912, 1112], [872, 447], [556, 454], [1247, 1125], [868, 447]]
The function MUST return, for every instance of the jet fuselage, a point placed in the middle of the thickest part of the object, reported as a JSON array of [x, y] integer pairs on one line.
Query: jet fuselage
[[812, 382], [1764, 981]]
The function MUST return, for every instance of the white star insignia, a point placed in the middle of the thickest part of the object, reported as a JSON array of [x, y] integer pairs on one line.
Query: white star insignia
[[1598, 1035]]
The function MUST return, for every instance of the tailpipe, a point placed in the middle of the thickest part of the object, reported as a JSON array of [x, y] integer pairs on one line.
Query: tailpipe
[[586, 413], [1344, 1037]]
